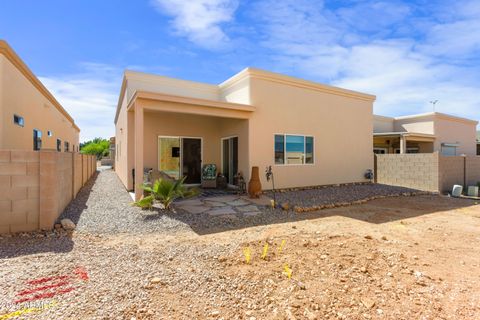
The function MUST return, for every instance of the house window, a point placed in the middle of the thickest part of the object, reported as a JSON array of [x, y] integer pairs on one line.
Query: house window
[[409, 150], [380, 150], [37, 139], [279, 149], [294, 149], [18, 120], [66, 147], [449, 150], [59, 145], [49, 133]]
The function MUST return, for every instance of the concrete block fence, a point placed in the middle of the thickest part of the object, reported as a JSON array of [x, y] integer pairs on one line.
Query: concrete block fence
[[36, 186], [427, 171]]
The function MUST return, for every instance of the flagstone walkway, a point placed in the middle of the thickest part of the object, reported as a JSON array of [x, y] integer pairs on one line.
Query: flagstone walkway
[[227, 205]]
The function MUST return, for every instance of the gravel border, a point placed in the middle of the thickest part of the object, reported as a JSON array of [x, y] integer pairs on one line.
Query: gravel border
[[103, 206]]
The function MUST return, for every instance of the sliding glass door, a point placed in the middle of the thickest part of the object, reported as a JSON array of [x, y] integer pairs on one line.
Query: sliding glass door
[[230, 158], [169, 156], [180, 157]]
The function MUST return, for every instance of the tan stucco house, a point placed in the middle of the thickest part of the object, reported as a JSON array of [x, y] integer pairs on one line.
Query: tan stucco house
[[30, 116], [312, 134], [425, 133]]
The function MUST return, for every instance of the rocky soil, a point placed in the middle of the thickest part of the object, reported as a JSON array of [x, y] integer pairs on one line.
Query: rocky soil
[[393, 258], [104, 207]]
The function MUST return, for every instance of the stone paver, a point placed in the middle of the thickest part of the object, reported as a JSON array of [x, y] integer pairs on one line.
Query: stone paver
[[214, 203], [222, 211], [223, 198], [247, 208], [195, 209], [238, 202]]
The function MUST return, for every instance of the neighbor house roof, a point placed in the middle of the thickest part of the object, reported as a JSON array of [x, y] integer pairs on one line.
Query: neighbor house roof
[[8, 52], [216, 90], [404, 134], [438, 115]]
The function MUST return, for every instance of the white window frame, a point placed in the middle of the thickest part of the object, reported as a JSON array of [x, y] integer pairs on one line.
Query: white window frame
[[285, 149]]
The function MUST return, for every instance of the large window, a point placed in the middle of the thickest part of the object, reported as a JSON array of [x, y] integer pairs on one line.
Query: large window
[[294, 149], [37, 139]]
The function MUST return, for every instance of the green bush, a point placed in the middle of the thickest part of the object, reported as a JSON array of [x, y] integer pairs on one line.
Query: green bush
[[98, 147]]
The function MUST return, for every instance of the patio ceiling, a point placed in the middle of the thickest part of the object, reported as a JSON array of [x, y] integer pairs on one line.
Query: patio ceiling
[[409, 135]]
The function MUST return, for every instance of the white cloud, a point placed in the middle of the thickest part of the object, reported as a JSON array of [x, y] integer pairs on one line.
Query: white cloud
[[376, 47], [90, 97], [200, 20]]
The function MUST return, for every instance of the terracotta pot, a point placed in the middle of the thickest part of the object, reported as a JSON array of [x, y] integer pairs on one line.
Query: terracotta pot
[[254, 185]]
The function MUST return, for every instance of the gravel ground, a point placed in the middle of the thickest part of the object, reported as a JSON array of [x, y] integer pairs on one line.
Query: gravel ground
[[103, 207], [337, 194], [395, 258], [117, 272]]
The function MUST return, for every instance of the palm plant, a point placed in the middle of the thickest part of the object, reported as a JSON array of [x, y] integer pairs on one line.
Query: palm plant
[[166, 191]]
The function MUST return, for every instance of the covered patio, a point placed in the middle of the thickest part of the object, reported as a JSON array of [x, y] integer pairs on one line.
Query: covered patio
[[178, 135], [403, 142]]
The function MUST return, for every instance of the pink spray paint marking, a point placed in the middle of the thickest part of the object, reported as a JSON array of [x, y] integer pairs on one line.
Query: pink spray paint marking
[[42, 292]]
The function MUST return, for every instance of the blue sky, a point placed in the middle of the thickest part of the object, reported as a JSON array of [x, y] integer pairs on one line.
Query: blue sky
[[408, 53]]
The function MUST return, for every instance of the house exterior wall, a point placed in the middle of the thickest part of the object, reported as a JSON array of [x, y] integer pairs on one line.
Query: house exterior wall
[[20, 97], [281, 107], [138, 81], [210, 129], [383, 124], [417, 125], [124, 132], [339, 155], [445, 128], [456, 131]]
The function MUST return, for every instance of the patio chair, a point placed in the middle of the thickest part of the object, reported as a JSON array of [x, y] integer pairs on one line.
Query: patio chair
[[209, 176]]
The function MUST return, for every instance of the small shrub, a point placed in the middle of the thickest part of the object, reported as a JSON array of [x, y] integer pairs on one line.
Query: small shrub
[[166, 191], [287, 271], [265, 251], [144, 203], [247, 253]]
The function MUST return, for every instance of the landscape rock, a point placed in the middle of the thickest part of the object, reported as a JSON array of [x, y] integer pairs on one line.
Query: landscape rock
[[67, 224]]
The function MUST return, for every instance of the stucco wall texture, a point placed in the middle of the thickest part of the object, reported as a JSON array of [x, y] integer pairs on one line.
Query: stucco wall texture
[[265, 104], [36, 186], [429, 171], [22, 94]]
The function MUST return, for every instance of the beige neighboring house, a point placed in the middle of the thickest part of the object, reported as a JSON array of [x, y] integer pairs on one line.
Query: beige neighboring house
[[312, 134], [425, 133], [30, 116]]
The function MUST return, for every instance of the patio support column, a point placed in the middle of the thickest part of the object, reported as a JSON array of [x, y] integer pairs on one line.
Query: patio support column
[[403, 144], [139, 137]]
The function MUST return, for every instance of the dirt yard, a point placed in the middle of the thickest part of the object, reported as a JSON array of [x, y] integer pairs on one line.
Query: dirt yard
[[393, 258]]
